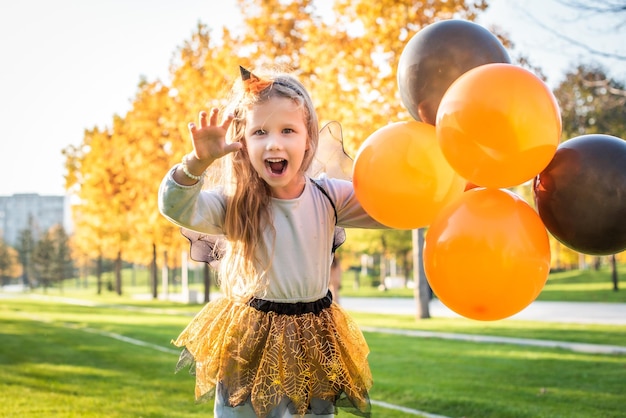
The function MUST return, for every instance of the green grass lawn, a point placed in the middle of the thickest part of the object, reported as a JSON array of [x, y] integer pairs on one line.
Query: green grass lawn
[[67, 360], [567, 286], [584, 286]]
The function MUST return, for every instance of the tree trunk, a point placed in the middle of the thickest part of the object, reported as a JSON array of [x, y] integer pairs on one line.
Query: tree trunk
[[421, 288], [165, 278], [597, 263], [118, 273], [383, 270], [85, 276], [405, 263], [99, 274], [25, 278], [153, 273], [614, 273]]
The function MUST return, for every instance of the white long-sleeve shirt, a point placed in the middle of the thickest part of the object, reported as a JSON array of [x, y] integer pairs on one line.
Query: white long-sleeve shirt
[[300, 270]]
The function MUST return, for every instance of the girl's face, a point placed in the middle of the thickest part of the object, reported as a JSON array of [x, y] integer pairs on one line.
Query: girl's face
[[276, 139]]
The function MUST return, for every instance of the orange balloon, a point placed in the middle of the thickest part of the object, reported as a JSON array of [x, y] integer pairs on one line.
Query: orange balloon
[[487, 255], [498, 125], [401, 178]]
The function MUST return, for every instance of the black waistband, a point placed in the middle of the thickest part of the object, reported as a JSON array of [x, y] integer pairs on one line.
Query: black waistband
[[297, 308]]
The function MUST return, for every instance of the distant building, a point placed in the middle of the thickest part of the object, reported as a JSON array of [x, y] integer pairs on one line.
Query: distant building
[[16, 212]]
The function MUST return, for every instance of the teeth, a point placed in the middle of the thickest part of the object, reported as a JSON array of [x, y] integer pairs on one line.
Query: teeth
[[275, 160]]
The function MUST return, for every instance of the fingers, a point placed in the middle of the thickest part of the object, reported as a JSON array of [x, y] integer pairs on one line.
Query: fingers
[[227, 121], [202, 119], [213, 119], [205, 120]]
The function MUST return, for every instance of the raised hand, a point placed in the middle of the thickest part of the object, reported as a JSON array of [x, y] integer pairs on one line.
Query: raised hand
[[209, 144], [209, 140]]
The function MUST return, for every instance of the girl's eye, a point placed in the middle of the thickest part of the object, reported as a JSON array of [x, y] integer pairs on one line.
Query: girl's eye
[[259, 132], [288, 130]]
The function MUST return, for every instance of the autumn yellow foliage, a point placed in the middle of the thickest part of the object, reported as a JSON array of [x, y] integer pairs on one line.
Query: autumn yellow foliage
[[346, 53]]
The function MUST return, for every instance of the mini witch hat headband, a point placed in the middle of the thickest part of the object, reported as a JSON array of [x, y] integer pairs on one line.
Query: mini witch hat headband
[[252, 83]]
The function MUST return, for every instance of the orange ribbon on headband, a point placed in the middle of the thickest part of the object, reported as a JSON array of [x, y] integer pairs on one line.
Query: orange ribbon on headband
[[252, 83]]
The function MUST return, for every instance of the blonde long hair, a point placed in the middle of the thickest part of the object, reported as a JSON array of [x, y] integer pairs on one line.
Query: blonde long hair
[[242, 270]]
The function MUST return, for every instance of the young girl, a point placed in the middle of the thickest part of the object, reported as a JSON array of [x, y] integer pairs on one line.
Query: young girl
[[274, 345]]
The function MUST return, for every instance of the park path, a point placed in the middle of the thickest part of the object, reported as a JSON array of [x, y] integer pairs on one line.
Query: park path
[[567, 312]]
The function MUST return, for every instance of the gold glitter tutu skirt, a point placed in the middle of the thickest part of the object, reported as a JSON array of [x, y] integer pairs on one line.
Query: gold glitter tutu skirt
[[262, 356]]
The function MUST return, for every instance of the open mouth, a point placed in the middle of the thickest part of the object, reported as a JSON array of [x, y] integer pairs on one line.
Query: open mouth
[[276, 165]]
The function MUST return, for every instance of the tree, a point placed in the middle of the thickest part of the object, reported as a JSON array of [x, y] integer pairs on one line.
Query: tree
[[5, 263], [62, 266], [614, 278], [51, 257], [590, 103], [84, 180], [43, 260], [9, 266], [25, 247], [363, 42], [151, 136]]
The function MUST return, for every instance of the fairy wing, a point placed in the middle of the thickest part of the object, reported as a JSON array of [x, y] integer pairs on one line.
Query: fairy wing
[[332, 160], [330, 156]]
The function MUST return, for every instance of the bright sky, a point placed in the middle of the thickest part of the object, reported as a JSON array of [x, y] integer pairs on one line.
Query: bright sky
[[70, 65]]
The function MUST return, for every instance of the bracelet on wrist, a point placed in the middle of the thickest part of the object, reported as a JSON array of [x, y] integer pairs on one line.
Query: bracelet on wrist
[[186, 170]]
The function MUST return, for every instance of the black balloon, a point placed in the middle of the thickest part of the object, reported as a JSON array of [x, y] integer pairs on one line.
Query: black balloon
[[581, 194], [436, 56]]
